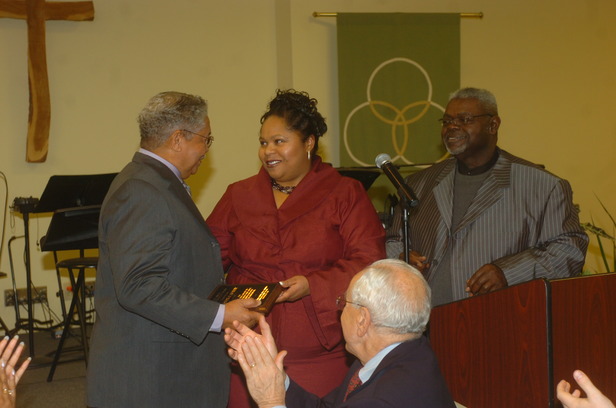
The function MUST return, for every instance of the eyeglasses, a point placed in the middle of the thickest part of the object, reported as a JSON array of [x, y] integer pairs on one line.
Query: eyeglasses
[[461, 120], [208, 139], [341, 302]]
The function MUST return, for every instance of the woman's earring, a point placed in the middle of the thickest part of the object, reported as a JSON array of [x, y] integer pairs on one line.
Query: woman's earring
[[308, 154]]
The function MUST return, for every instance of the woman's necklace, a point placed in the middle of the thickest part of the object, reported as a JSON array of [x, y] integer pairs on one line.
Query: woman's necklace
[[282, 189]]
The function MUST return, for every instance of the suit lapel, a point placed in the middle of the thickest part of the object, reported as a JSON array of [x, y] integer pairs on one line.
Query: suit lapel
[[173, 184], [442, 210], [400, 353]]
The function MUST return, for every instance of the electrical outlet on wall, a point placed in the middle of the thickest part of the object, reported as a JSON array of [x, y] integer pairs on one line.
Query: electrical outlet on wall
[[39, 295]]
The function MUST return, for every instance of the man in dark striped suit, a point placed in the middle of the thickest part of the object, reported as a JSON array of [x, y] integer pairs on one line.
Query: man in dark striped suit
[[486, 218]]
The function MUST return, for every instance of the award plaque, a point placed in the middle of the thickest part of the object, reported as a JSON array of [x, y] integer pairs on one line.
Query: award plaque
[[267, 293]]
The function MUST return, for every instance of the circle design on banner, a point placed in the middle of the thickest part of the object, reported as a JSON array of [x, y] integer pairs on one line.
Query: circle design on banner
[[398, 118]]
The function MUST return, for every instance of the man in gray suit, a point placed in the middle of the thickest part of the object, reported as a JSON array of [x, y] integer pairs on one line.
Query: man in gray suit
[[156, 341], [487, 219]]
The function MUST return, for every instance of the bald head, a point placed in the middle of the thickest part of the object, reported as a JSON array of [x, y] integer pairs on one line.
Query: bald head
[[395, 293]]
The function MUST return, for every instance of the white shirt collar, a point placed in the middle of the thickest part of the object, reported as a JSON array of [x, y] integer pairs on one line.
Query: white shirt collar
[[366, 371], [163, 161]]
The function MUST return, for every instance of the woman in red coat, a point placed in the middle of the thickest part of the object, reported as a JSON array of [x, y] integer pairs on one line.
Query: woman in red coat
[[298, 222]]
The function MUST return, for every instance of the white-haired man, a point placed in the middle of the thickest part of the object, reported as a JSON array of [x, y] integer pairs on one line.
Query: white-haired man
[[156, 342], [384, 313]]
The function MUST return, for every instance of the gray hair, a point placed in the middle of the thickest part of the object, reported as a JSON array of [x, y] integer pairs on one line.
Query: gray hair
[[396, 294], [167, 112], [485, 98]]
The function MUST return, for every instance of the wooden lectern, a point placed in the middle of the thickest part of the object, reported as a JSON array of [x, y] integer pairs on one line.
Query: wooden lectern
[[510, 348]]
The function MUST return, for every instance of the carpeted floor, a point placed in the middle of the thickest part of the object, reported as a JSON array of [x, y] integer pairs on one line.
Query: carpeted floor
[[67, 390]]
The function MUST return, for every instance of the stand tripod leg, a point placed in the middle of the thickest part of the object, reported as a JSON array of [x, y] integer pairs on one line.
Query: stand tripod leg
[[7, 332], [67, 323]]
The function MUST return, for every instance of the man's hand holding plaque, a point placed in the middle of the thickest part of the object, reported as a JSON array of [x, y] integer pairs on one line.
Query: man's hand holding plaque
[[267, 293]]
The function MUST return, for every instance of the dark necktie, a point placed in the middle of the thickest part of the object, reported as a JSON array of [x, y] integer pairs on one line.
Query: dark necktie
[[353, 384]]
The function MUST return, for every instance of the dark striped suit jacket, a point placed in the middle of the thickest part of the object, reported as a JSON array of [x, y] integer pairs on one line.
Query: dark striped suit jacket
[[522, 219]]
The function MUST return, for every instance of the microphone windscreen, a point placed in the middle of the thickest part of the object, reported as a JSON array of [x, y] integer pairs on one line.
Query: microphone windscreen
[[381, 159]]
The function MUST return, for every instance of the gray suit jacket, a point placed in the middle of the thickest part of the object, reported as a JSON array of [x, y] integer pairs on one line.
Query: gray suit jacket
[[158, 262], [522, 219]]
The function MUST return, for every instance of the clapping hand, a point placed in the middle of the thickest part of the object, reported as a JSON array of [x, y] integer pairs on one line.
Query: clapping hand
[[594, 397], [10, 352], [236, 336]]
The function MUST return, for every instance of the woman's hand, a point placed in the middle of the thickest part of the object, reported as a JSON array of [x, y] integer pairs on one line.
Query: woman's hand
[[296, 288], [10, 352]]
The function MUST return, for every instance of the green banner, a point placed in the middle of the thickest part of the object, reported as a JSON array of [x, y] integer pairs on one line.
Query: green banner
[[395, 74]]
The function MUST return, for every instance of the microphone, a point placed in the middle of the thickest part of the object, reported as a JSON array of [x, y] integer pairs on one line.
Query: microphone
[[383, 162]]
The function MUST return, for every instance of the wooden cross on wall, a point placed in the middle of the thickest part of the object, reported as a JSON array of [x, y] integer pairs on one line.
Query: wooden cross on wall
[[36, 12]]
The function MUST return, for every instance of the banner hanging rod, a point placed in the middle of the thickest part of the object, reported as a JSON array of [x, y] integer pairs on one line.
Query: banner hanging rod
[[329, 14]]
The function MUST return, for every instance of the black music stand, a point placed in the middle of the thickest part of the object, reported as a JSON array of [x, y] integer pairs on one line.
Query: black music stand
[[74, 191], [365, 175], [62, 192], [71, 229]]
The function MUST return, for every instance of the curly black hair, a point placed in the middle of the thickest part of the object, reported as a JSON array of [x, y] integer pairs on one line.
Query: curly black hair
[[300, 113]]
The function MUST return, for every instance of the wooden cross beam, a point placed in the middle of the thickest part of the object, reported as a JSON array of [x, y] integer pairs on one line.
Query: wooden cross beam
[[36, 12]]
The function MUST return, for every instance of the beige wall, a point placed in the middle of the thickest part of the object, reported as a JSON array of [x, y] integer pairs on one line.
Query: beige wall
[[551, 65]]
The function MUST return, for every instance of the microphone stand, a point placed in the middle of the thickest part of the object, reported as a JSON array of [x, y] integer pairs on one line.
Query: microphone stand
[[405, 232], [405, 228], [26, 205], [408, 199]]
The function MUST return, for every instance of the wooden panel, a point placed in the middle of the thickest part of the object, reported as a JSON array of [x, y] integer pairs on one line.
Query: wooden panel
[[584, 329], [493, 349], [36, 12], [73, 11]]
